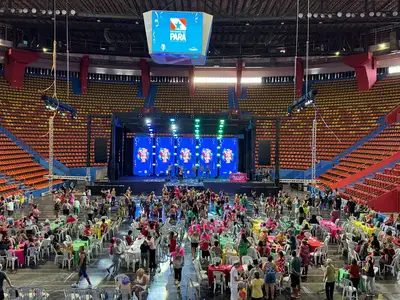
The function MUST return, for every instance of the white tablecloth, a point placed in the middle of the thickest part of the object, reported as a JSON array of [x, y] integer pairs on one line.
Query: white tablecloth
[[135, 247]]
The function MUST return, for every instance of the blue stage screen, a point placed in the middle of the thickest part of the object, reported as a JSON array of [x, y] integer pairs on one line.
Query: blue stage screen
[[164, 154], [143, 156], [177, 32], [229, 157], [208, 155], [186, 152]]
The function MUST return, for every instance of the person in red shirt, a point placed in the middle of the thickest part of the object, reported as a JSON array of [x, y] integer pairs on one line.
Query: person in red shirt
[[70, 219], [87, 231], [300, 236], [128, 238], [172, 242], [354, 272], [103, 226]]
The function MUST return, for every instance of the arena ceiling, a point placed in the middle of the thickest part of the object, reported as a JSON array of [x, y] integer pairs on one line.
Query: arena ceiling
[[242, 28]]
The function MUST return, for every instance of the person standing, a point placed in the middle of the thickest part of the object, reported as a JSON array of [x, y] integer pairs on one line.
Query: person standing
[[295, 275], [270, 277], [3, 276], [152, 246], [144, 255], [304, 254], [116, 260], [235, 278], [329, 278], [82, 268], [256, 287], [370, 272], [10, 208], [178, 260]]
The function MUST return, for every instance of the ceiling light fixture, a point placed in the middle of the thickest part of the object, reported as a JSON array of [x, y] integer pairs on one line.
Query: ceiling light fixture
[[348, 15], [12, 10], [301, 15], [309, 15], [50, 12], [339, 14], [378, 14], [322, 16], [315, 15], [25, 10], [64, 12], [329, 16], [34, 10], [73, 12], [362, 15], [57, 12], [395, 13], [371, 14]]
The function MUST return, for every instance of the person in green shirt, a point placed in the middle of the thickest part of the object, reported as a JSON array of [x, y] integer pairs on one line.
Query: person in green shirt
[[329, 278], [243, 246]]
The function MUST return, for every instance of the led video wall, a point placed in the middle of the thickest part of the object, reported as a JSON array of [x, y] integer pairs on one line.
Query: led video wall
[[152, 156], [164, 154]]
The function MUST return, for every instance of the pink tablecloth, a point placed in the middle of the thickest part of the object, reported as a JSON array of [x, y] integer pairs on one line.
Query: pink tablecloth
[[331, 226]]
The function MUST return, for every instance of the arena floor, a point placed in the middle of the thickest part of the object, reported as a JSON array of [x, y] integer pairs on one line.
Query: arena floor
[[56, 281]]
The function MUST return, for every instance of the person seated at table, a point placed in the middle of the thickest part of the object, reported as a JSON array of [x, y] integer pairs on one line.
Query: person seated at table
[[388, 239], [140, 283], [128, 238], [103, 226], [70, 219], [87, 231], [390, 220], [357, 248], [280, 238], [375, 245], [301, 235], [386, 256], [354, 272], [313, 220], [217, 249], [335, 214], [306, 226], [58, 249]]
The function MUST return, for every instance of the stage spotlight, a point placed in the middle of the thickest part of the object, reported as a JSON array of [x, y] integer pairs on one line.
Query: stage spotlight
[[353, 15], [154, 146], [64, 12], [378, 14], [151, 129], [44, 50], [329, 16], [301, 15], [337, 53], [172, 120], [362, 15], [348, 15], [12, 10], [173, 126], [73, 12], [222, 121], [218, 147], [151, 135], [322, 16], [218, 165], [20, 10], [148, 121], [196, 120], [315, 15], [309, 15], [50, 12], [34, 10], [1, 10], [383, 15], [371, 14], [25, 10], [395, 13], [43, 12], [339, 14]]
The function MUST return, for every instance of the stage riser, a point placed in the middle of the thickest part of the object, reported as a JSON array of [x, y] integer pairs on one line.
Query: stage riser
[[242, 188]]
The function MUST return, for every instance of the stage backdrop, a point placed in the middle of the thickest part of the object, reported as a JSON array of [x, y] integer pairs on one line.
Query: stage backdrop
[[164, 154], [186, 152], [208, 155], [143, 156], [229, 157]]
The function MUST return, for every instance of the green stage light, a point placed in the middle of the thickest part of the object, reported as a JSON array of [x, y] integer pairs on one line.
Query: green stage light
[[222, 121], [220, 131], [197, 125], [197, 120]]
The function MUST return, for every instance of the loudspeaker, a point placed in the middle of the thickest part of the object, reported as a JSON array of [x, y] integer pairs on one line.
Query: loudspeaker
[[100, 150], [264, 153]]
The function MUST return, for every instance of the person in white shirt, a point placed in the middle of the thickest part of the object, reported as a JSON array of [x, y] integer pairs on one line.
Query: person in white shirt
[[77, 206], [84, 200], [10, 208], [235, 278]]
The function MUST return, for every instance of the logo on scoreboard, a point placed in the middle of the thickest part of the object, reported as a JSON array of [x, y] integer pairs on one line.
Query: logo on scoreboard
[[185, 155], [164, 155], [143, 155], [206, 155], [227, 155], [177, 28]]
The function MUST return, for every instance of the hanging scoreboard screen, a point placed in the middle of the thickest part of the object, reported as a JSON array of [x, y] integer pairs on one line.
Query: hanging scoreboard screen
[[176, 37]]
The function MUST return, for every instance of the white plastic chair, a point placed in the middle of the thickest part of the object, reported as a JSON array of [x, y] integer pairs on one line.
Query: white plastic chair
[[316, 255], [67, 259], [247, 260], [68, 238], [393, 266], [194, 288], [31, 256], [349, 291], [11, 258], [233, 259], [219, 279], [216, 260], [229, 246]]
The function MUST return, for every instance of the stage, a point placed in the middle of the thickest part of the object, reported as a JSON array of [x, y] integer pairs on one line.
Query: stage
[[148, 184]]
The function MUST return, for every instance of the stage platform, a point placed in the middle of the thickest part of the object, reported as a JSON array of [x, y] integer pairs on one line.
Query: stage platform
[[156, 184]]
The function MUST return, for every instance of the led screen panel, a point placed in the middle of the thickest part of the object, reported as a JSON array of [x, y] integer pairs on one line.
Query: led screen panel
[[229, 156], [177, 32], [164, 154], [208, 156], [186, 152], [143, 156]]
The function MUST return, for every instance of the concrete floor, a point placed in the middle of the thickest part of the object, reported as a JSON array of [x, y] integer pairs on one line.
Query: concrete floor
[[55, 280]]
